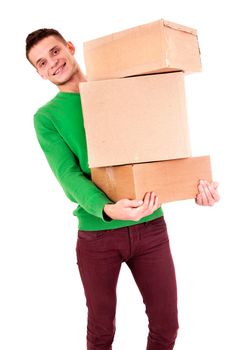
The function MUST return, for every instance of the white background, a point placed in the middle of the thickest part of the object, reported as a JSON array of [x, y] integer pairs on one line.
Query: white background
[[42, 304]]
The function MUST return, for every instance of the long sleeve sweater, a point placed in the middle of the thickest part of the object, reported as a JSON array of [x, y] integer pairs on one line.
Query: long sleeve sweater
[[60, 131]]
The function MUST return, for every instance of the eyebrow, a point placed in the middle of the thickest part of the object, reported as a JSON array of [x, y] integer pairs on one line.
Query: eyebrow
[[40, 59]]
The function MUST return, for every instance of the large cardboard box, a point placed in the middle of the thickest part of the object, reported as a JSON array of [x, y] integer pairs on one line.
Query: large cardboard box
[[134, 120], [171, 180], [159, 46]]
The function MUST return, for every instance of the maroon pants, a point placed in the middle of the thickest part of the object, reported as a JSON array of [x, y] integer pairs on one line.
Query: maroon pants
[[145, 249]]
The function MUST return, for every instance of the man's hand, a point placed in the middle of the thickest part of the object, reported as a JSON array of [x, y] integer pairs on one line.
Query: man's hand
[[207, 193], [126, 209]]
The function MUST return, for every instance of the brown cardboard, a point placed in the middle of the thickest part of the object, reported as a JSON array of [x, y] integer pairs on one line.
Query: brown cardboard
[[171, 180], [135, 120], [159, 46]]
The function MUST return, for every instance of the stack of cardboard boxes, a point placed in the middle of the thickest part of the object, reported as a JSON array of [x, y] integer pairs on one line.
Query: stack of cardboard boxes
[[135, 114]]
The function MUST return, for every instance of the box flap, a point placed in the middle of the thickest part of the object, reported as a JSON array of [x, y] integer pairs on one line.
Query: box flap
[[180, 27]]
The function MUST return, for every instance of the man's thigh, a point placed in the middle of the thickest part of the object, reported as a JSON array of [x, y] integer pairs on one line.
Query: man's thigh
[[153, 270]]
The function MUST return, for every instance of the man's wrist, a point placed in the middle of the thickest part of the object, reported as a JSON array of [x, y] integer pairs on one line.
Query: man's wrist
[[106, 212]]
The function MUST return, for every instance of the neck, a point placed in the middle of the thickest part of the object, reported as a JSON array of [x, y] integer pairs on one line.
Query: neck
[[73, 84]]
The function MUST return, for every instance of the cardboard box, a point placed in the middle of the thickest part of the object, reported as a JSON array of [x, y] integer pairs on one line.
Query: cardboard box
[[159, 46], [171, 180], [135, 120]]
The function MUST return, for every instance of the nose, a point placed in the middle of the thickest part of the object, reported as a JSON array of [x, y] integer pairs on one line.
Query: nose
[[53, 63]]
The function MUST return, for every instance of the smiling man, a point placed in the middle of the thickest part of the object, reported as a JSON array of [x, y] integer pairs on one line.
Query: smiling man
[[109, 233]]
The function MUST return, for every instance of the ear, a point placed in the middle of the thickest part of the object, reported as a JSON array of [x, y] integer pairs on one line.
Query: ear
[[70, 47]]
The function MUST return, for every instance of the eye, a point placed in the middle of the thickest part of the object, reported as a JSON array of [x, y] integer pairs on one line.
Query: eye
[[42, 64], [56, 51]]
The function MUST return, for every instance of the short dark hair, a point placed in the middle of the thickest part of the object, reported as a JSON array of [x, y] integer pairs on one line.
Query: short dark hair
[[36, 36]]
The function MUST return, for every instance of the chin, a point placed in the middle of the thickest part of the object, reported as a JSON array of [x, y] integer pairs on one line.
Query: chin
[[63, 80]]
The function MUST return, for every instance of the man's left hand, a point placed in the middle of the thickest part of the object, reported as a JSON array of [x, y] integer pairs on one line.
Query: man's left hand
[[207, 193]]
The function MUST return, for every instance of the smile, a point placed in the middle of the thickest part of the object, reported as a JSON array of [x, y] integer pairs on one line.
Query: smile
[[59, 69]]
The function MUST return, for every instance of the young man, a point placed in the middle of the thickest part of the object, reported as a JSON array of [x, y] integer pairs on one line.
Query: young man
[[109, 233]]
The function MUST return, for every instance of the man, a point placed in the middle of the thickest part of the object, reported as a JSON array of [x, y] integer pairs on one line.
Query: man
[[109, 233]]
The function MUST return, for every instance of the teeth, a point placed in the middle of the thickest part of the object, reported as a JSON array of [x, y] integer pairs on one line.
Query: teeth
[[59, 69]]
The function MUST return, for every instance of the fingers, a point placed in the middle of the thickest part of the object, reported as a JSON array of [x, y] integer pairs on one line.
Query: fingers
[[138, 209], [208, 194], [199, 199], [156, 204], [204, 195], [150, 204], [131, 203], [134, 203], [153, 202], [146, 201], [213, 190]]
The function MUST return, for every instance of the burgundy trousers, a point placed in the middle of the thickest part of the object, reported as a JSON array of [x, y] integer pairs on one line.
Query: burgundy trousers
[[145, 249]]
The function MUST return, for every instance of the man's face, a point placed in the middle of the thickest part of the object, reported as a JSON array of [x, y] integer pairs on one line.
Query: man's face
[[54, 60]]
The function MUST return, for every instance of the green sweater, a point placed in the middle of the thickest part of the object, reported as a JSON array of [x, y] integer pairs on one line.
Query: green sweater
[[60, 132]]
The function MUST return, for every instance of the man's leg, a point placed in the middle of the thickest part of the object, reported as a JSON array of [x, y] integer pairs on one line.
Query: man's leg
[[152, 267], [99, 266]]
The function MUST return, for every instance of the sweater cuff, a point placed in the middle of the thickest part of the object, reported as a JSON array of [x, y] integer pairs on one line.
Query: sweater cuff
[[106, 218], [102, 200]]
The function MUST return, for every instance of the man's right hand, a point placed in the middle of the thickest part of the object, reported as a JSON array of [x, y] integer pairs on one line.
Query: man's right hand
[[126, 209]]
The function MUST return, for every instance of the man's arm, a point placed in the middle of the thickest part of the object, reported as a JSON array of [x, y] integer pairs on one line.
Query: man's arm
[[65, 167], [78, 187]]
